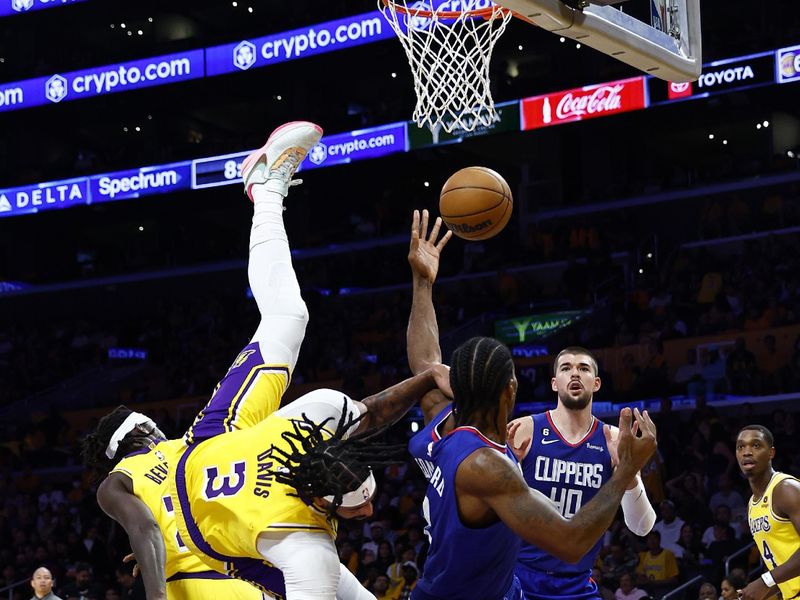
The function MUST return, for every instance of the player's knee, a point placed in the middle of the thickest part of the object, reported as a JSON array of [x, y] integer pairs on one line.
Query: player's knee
[[315, 573]]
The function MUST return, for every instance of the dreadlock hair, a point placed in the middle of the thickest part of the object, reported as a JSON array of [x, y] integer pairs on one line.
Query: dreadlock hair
[[479, 370], [763, 430], [322, 465], [93, 446], [575, 350]]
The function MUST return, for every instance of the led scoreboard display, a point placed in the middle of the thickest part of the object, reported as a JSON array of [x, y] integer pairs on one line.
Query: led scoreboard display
[[217, 170]]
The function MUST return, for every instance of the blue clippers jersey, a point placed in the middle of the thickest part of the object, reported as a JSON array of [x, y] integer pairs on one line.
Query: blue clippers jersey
[[463, 562], [570, 475], [421, 443]]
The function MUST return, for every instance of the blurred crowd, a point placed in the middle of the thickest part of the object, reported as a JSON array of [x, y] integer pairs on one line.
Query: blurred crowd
[[51, 519]]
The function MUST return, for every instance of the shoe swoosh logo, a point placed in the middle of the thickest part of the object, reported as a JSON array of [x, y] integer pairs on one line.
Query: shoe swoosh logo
[[545, 442]]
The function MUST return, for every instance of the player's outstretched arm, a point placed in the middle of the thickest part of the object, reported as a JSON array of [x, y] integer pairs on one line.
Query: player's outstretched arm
[[388, 406], [786, 503], [422, 336], [490, 478], [115, 496]]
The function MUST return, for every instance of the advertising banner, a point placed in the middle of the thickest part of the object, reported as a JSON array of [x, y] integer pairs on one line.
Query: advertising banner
[[16, 7], [718, 77], [588, 102], [787, 64], [98, 81], [532, 328], [136, 183], [508, 120], [298, 43]]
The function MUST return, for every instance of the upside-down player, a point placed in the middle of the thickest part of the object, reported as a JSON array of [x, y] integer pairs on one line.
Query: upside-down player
[[773, 513], [135, 491]]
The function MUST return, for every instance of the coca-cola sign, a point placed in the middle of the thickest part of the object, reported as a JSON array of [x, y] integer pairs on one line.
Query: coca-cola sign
[[583, 103]]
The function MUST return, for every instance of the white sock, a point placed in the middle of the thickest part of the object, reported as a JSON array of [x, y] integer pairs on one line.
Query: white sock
[[267, 216]]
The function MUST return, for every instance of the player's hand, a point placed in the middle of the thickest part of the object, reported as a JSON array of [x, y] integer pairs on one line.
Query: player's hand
[[634, 451], [519, 436], [441, 376], [755, 590], [424, 250], [132, 558]]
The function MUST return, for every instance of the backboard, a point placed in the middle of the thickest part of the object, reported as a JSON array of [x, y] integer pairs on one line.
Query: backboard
[[670, 48]]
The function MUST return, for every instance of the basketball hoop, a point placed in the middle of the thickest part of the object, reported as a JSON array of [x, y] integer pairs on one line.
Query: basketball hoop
[[449, 52]]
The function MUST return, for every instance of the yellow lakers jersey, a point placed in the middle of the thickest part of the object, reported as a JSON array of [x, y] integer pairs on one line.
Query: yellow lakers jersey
[[149, 472], [225, 494], [775, 536]]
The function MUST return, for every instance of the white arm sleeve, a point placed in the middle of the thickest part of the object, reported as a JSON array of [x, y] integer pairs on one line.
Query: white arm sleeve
[[323, 404], [350, 588], [639, 514]]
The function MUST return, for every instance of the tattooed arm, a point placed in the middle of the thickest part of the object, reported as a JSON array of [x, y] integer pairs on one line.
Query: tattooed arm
[[388, 406], [488, 484]]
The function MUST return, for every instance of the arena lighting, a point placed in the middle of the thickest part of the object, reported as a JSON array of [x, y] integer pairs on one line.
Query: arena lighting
[[249, 9], [711, 136], [641, 271], [724, 142], [562, 40], [790, 154], [140, 32], [122, 25], [520, 46], [427, 184], [765, 123], [414, 427], [649, 255], [138, 128], [394, 75], [758, 125], [141, 228]]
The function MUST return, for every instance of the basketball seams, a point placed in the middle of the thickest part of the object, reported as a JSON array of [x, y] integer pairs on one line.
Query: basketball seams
[[503, 183], [500, 224], [483, 210]]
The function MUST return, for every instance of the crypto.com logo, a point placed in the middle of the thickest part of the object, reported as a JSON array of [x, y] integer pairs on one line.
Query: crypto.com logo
[[244, 55], [21, 5], [318, 154], [55, 89]]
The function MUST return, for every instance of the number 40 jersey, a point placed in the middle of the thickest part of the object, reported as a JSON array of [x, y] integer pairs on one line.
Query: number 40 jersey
[[570, 475]]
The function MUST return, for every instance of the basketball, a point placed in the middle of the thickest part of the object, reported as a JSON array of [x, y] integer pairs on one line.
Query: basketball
[[476, 203]]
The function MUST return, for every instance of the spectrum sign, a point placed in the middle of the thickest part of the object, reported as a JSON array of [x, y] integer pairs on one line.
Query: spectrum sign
[[588, 102]]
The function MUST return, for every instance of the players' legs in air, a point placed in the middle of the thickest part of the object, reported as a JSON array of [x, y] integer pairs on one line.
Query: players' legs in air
[[310, 566], [267, 175], [254, 385]]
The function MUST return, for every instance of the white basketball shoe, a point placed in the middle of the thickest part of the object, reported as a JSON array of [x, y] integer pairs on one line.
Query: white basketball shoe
[[277, 160]]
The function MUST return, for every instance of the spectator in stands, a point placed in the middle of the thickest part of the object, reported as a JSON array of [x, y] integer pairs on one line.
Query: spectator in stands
[[657, 569], [42, 584], [670, 527], [722, 521], [410, 578], [381, 588], [84, 585], [726, 495], [627, 590], [602, 589], [730, 587], [132, 587], [707, 592], [689, 552], [742, 369], [618, 561], [688, 377]]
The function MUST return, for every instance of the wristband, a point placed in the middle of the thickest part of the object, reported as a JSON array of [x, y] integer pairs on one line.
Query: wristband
[[767, 578]]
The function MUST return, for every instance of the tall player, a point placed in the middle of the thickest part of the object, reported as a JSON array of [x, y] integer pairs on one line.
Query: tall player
[[134, 493], [773, 513], [473, 486], [568, 454]]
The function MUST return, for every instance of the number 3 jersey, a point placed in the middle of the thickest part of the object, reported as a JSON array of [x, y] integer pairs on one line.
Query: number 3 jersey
[[225, 495], [570, 475], [775, 536]]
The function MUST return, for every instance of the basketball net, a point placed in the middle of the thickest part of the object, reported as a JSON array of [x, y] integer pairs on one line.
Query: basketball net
[[449, 53]]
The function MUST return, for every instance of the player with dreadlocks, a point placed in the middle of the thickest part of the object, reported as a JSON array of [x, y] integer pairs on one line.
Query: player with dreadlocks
[[134, 493], [478, 504], [274, 491]]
